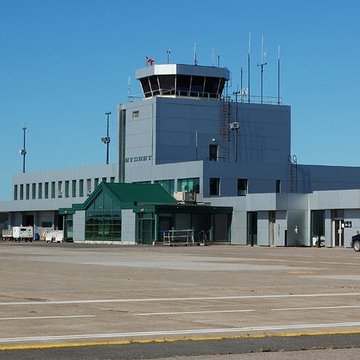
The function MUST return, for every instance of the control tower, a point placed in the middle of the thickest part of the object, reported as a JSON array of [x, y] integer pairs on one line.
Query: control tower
[[183, 80]]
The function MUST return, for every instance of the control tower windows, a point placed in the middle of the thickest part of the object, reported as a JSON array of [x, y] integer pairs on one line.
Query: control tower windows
[[183, 85], [167, 84]]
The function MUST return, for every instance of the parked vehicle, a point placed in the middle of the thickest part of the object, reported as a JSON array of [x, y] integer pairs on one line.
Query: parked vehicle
[[355, 242], [54, 236], [19, 233]]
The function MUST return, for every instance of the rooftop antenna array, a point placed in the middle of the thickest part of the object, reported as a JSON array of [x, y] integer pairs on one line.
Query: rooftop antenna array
[[261, 65]]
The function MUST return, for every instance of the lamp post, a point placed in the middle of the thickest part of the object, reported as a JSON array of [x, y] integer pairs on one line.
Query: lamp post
[[106, 139], [23, 150]]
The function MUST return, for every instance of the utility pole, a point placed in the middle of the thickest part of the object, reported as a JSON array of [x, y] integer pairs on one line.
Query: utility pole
[[106, 139], [23, 150]]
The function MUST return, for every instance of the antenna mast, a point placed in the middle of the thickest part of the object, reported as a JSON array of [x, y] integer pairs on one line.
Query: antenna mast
[[249, 96], [241, 84], [129, 89], [278, 79], [195, 57], [168, 52], [263, 63]]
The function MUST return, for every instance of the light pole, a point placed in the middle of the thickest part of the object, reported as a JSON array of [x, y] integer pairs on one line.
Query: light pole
[[106, 139], [23, 150], [235, 125]]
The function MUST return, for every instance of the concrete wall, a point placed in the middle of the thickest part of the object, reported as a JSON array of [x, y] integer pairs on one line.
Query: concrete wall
[[79, 226], [128, 227], [177, 131]]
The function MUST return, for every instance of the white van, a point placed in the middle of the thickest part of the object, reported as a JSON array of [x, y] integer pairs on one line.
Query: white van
[[23, 233]]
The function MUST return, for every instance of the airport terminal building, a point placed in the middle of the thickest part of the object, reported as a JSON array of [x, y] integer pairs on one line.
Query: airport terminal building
[[192, 156]]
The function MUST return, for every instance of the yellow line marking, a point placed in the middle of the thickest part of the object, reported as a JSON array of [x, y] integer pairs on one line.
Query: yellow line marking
[[165, 340]]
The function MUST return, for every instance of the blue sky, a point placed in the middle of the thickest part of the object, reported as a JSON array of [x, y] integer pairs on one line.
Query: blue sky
[[64, 63]]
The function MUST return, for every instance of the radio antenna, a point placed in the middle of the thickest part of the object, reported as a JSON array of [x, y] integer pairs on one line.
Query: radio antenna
[[261, 65], [249, 96], [195, 57], [278, 76]]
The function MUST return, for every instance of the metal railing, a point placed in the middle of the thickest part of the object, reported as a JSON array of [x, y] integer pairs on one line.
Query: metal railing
[[178, 237]]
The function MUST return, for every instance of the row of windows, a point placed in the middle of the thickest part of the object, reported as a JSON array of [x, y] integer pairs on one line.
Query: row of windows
[[242, 186], [80, 188], [189, 184], [193, 184], [57, 189]]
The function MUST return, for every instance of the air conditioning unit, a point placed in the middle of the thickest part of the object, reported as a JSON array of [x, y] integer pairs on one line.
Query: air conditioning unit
[[190, 197], [185, 196], [179, 195]]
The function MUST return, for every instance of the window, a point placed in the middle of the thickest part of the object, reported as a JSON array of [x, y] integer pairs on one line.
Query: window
[[103, 179], [15, 192], [73, 188], [214, 186], [242, 187], [81, 188], [103, 219], [278, 186], [27, 191], [46, 195], [88, 187], [190, 184], [53, 189], [33, 191], [40, 191], [112, 179], [135, 115], [213, 152], [96, 182], [22, 192], [168, 185], [60, 194], [67, 185]]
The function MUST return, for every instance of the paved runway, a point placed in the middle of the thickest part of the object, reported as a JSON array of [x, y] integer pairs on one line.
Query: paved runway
[[71, 294]]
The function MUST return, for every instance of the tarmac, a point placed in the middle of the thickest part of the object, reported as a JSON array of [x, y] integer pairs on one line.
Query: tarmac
[[77, 296]]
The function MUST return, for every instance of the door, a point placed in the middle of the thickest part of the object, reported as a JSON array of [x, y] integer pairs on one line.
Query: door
[[338, 233], [272, 221], [251, 228]]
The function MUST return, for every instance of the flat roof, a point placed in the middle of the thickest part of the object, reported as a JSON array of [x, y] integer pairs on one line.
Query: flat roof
[[182, 69]]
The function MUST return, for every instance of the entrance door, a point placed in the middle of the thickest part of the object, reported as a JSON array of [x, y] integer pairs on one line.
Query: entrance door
[[252, 228], [272, 221], [338, 232], [145, 228]]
